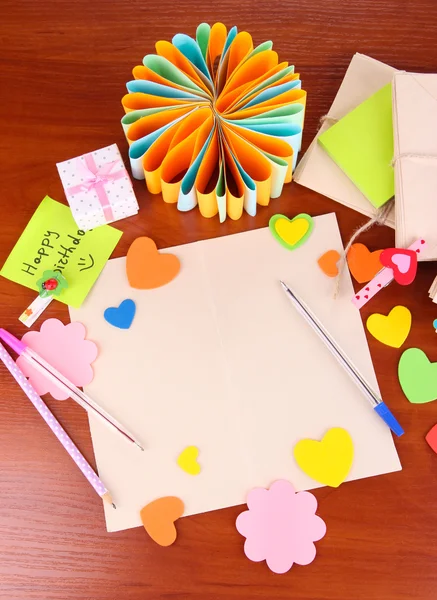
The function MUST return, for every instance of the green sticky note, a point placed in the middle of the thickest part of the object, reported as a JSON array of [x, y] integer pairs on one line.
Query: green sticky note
[[362, 146], [53, 241]]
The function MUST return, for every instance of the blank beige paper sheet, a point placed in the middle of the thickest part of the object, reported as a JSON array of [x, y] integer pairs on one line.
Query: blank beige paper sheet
[[221, 360]]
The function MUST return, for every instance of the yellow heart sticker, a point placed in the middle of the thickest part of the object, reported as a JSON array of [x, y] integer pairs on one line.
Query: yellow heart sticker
[[392, 329], [291, 233], [328, 461], [187, 460]]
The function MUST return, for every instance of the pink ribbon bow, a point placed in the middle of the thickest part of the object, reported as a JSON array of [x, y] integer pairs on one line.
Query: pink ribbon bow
[[94, 178]]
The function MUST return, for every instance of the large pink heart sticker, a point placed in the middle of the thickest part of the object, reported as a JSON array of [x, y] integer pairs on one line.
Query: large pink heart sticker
[[402, 262]]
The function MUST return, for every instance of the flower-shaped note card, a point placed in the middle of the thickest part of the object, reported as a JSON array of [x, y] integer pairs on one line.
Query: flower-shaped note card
[[98, 188], [280, 526], [214, 122]]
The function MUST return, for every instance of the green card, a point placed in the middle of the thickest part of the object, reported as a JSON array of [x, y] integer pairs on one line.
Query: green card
[[362, 146], [53, 241]]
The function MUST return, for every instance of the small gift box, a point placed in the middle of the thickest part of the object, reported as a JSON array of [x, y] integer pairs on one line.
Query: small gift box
[[98, 188]]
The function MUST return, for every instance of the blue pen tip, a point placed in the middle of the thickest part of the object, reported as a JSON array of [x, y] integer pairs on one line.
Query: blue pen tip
[[388, 418]]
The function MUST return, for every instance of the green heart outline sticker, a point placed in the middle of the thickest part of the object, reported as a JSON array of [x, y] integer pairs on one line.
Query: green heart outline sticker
[[302, 240], [417, 376]]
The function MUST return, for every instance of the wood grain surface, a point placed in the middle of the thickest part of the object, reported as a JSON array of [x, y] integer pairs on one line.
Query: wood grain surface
[[64, 65]]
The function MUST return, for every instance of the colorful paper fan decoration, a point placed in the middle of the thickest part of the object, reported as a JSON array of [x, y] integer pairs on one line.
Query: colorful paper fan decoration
[[214, 122]]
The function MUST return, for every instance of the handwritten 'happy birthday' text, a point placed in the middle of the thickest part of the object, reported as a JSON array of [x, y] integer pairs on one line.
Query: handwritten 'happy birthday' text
[[44, 252]]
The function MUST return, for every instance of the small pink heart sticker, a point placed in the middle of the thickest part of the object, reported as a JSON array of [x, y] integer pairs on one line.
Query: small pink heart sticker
[[402, 261]]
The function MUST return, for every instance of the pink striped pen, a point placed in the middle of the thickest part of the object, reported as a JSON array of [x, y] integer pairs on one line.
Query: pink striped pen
[[54, 425], [60, 380]]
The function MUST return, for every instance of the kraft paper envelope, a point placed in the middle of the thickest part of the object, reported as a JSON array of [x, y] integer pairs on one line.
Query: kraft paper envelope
[[415, 134], [317, 170], [220, 359]]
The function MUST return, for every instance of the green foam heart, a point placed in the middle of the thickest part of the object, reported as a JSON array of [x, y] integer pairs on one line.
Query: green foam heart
[[417, 376], [291, 233]]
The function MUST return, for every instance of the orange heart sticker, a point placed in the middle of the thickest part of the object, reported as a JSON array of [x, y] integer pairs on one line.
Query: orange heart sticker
[[146, 268], [363, 264], [159, 516], [328, 263]]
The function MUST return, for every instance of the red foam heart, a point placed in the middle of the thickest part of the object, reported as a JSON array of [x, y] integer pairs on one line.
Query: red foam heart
[[431, 438], [402, 262]]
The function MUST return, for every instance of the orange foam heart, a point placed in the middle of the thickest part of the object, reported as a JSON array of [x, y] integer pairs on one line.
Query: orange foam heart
[[146, 268], [159, 516], [431, 438], [363, 264], [328, 263]]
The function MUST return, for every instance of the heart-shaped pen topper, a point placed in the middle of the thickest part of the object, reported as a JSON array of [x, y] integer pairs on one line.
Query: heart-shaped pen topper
[[403, 263]]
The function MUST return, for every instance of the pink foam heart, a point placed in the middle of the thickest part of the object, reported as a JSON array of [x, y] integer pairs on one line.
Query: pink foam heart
[[402, 261]]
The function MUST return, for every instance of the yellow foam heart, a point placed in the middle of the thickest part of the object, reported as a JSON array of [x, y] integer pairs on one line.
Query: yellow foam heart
[[328, 461], [291, 231], [392, 329], [187, 460]]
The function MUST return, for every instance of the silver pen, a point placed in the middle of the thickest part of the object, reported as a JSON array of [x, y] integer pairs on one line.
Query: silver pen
[[377, 403]]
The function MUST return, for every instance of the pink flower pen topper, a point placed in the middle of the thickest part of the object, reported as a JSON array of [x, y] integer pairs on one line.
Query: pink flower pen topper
[[280, 526]]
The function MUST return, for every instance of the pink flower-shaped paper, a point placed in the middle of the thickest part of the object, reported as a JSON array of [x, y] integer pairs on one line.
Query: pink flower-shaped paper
[[280, 526], [65, 348]]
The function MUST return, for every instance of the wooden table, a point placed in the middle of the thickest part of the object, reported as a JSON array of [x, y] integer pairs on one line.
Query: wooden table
[[64, 67]]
